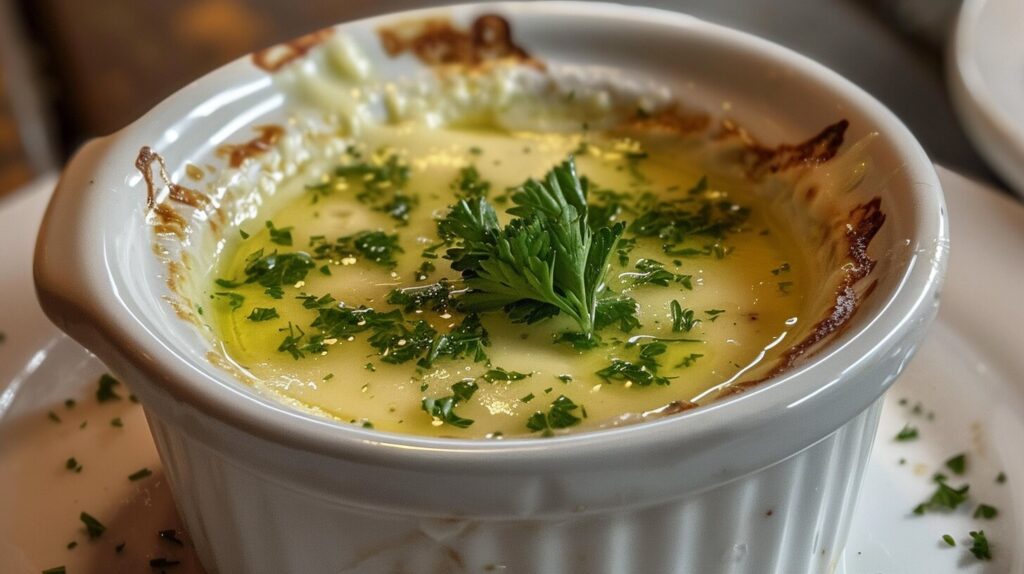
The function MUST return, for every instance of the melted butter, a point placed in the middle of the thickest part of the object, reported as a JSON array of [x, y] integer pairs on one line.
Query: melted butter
[[756, 323]]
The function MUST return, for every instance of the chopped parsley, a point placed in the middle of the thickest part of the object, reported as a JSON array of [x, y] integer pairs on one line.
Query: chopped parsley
[[979, 545], [117, 422], [443, 409], [105, 391], [170, 535], [436, 297], [500, 374], [424, 270], [985, 511], [1001, 477], [945, 497], [93, 527], [652, 272], [467, 339], [682, 319], [907, 433], [713, 314], [72, 465], [642, 372], [140, 474], [377, 246], [957, 464], [560, 415], [469, 183], [263, 314], [948, 540], [234, 300], [55, 570], [689, 360], [281, 236]]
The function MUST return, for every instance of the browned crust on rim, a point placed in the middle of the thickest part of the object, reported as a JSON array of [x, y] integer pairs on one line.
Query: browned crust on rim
[[276, 57], [862, 225], [762, 161], [437, 42], [671, 120], [238, 153]]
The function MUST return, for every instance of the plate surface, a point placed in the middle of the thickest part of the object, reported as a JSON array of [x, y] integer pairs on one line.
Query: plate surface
[[986, 80], [968, 379]]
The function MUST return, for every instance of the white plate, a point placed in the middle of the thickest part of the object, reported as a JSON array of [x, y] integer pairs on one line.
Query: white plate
[[986, 80], [969, 373]]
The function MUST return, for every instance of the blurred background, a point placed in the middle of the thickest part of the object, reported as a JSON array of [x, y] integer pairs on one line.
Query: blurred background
[[73, 69]]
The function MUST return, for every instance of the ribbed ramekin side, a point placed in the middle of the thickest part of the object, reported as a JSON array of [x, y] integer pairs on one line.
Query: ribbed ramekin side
[[789, 518]]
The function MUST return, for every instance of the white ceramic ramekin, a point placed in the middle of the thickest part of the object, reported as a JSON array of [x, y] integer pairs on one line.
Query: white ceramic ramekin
[[760, 482]]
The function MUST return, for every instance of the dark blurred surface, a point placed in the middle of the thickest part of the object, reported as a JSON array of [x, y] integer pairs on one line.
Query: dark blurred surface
[[100, 65]]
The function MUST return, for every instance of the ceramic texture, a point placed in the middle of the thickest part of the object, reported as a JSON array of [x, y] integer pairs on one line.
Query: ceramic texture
[[264, 488]]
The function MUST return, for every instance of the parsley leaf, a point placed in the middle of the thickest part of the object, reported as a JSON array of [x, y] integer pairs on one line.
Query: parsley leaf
[[281, 236], [106, 392], [682, 319], [907, 433], [93, 527], [957, 464], [979, 546], [500, 374], [985, 511], [470, 184], [442, 409], [263, 314], [376, 246], [547, 255], [651, 272], [945, 497], [559, 416]]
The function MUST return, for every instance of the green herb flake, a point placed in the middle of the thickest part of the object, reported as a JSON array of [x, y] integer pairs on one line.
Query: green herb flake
[[500, 374], [119, 548], [957, 464], [105, 391], [652, 272], [907, 433], [140, 474], [116, 422], [442, 410], [713, 314], [234, 300], [69, 403], [565, 378], [469, 183], [979, 546], [281, 236], [559, 416], [682, 319], [243, 234], [259, 314], [424, 271], [72, 465], [527, 398], [1001, 478], [53, 417], [945, 497], [170, 535], [55, 570], [948, 540], [985, 511], [93, 527]]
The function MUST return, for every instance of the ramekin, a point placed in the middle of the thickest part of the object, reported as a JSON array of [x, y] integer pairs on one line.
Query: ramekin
[[763, 481]]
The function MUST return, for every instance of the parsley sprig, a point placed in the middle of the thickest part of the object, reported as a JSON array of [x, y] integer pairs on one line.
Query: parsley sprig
[[546, 260]]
